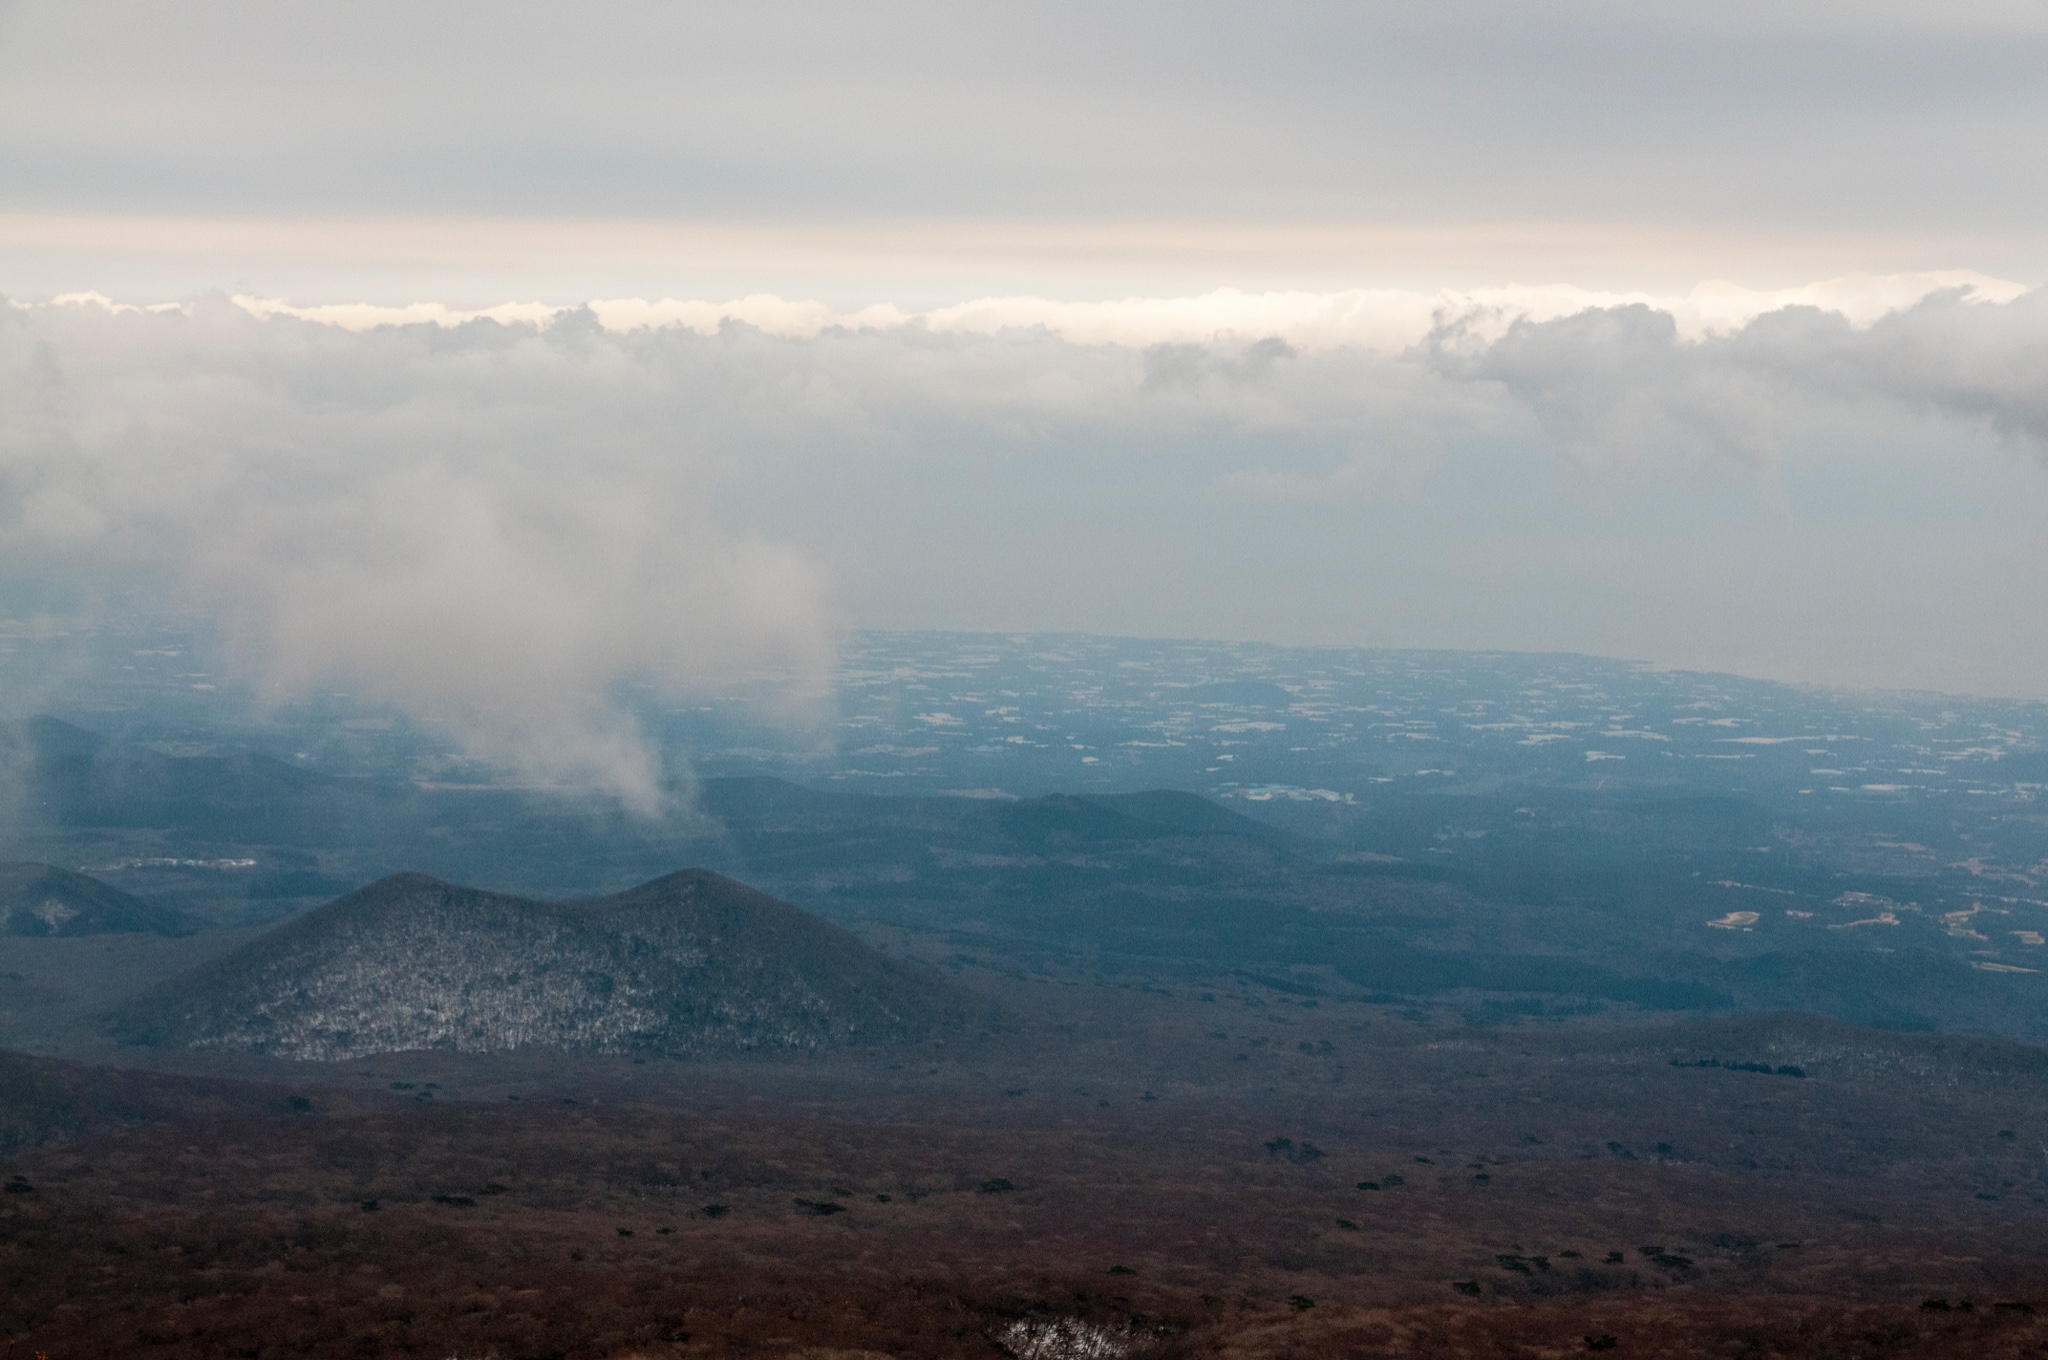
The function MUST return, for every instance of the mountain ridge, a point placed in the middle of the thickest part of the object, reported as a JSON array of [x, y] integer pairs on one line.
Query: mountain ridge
[[687, 964]]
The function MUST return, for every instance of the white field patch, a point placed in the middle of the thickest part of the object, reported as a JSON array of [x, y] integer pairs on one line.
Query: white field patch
[[1063, 1339], [54, 914], [1735, 920], [1266, 793], [1958, 923], [1887, 910], [1883, 918]]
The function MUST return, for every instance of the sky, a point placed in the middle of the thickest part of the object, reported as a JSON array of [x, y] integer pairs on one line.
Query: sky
[[488, 356]]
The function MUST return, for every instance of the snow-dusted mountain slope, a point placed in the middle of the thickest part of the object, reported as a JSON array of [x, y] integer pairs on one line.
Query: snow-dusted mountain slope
[[689, 963], [41, 899]]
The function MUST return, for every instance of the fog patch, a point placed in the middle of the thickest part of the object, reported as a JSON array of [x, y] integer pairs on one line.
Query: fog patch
[[495, 527]]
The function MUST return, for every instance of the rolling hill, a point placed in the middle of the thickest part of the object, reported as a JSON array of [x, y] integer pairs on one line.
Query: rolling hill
[[41, 899], [691, 963]]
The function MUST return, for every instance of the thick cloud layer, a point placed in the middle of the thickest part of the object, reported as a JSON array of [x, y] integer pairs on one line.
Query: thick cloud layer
[[492, 527], [1381, 321], [499, 522], [1619, 380]]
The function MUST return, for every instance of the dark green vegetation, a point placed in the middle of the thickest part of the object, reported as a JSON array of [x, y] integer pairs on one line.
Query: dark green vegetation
[[1545, 836], [1609, 911], [1584, 902]]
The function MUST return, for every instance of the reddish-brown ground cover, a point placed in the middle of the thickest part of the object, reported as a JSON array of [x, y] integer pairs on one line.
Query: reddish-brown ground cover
[[1538, 1191]]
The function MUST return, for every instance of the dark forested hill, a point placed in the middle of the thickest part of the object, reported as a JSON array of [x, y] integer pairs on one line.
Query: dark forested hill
[[41, 899], [689, 963]]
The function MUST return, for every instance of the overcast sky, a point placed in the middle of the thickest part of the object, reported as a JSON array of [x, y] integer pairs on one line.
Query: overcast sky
[[1703, 334], [1337, 144]]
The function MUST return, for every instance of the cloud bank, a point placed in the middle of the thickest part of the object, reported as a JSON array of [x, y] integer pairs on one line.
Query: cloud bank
[[1383, 321], [499, 519], [494, 529], [1619, 380]]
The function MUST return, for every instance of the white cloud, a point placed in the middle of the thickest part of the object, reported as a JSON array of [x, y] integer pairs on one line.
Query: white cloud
[[499, 517], [1383, 321], [494, 527], [1620, 380]]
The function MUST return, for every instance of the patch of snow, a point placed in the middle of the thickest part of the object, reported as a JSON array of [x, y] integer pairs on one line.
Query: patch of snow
[[1063, 1339]]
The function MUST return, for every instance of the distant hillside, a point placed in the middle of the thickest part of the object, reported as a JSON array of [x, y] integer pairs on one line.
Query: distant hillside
[[46, 1100], [78, 778], [41, 899], [750, 804], [1061, 820], [687, 964]]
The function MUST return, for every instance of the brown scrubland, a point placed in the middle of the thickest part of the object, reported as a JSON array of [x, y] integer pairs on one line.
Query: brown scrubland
[[1187, 1170]]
